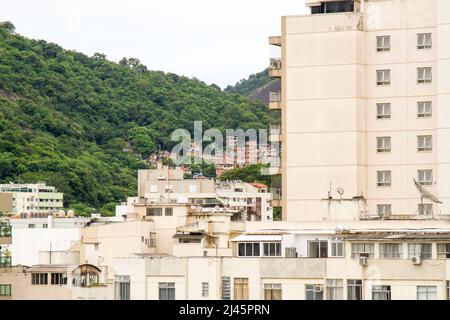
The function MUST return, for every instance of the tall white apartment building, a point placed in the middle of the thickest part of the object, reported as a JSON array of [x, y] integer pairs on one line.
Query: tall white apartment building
[[33, 198], [365, 108]]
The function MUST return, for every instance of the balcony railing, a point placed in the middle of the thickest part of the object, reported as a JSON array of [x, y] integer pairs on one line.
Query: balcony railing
[[275, 64], [275, 96], [5, 230], [5, 262]]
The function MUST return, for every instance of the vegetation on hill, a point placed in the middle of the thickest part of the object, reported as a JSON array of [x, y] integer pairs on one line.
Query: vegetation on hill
[[83, 124], [246, 87], [250, 173]]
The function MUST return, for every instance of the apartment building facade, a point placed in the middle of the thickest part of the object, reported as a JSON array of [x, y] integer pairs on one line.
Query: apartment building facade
[[364, 107], [36, 199]]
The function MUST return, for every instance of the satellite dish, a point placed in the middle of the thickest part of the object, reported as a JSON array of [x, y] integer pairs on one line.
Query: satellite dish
[[340, 191], [425, 193]]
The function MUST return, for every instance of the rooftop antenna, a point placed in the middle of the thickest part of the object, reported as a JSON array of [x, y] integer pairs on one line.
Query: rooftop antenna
[[425, 193], [329, 192], [340, 191]]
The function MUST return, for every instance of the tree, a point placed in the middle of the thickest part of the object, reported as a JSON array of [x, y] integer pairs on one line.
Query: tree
[[8, 25]]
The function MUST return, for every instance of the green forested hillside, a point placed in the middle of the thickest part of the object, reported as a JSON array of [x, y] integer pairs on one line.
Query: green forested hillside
[[65, 118], [248, 86]]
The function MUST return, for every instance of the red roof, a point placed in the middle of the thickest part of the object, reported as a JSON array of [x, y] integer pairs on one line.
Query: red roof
[[259, 185]]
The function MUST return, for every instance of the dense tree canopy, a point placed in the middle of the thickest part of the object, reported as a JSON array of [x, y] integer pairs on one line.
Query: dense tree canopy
[[84, 123]]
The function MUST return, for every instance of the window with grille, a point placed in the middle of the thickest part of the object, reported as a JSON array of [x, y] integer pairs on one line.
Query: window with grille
[[335, 289], [391, 250], [168, 212], [366, 249], [426, 293], [423, 250], [5, 290], [425, 209], [384, 209], [122, 287], [443, 250], [384, 178], [425, 177], [424, 143], [424, 109], [424, 75], [383, 110], [272, 249], [354, 289], [226, 288], [166, 290], [381, 293], [383, 43], [383, 144], [153, 212], [383, 77], [424, 41], [59, 278], [249, 249], [39, 278], [205, 289]]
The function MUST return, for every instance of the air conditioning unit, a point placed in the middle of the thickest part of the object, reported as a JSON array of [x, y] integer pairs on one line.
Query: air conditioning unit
[[318, 288], [363, 260], [416, 260]]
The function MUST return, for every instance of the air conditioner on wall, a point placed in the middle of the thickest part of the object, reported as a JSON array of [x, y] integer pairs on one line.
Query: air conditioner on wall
[[363, 260], [416, 260]]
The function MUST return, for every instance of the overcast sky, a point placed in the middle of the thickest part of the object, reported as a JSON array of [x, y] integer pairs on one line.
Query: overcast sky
[[217, 41]]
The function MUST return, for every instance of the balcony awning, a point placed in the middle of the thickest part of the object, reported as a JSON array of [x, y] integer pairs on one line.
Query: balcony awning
[[189, 236], [258, 238]]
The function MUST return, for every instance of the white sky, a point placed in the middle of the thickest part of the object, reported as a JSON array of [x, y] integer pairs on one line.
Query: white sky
[[217, 41]]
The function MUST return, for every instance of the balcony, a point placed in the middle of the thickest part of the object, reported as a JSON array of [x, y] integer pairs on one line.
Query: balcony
[[275, 68], [275, 133], [5, 233], [275, 100], [275, 41], [276, 197], [5, 262]]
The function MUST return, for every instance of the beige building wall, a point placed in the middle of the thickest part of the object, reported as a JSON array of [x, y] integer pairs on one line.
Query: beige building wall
[[330, 128]]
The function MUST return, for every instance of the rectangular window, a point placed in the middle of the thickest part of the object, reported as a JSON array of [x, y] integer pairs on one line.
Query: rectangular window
[[383, 178], [335, 289], [154, 212], [383, 77], [425, 177], [448, 290], [383, 43], [424, 109], [166, 290], [168, 212], [240, 288], [391, 251], [31, 226], [248, 249], [381, 293], [337, 249], [59, 278], [317, 249], [383, 110], [45, 225], [39, 278], [424, 143], [443, 250], [366, 249], [424, 41], [122, 288], [354, 289], [314, 292], [383, 144], [5, 290], [153, 189], [425, 209], [226, 288], [205, 289], [272, 249], [272, 291], [424, 75], [384, 209], [423, 250], [426, 293]]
